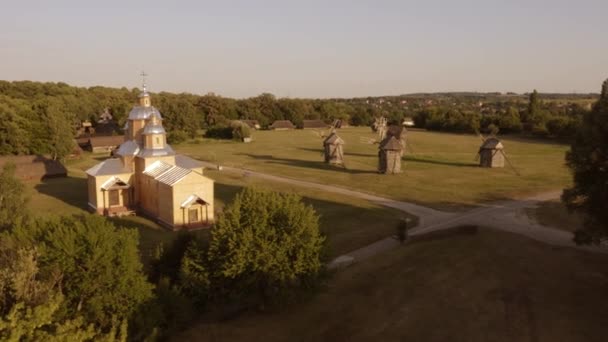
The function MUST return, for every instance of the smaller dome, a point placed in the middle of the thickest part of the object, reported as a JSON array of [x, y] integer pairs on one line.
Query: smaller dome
[[154, 129]]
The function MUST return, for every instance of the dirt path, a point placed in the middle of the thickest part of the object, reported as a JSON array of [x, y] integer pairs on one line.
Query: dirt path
[[507, 216]]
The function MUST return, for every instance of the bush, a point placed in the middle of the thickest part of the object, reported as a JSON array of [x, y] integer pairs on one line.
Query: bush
[[219, 132], [264, 246], [240, 130], [176, 137], [237, 130]]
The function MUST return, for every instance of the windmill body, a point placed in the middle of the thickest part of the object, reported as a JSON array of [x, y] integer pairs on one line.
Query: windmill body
[[491, 153], [333, 151]]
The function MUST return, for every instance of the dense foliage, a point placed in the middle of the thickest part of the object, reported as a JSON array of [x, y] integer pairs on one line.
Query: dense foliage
[[588, 160], [41, 118], [13, 202], [263, 245]]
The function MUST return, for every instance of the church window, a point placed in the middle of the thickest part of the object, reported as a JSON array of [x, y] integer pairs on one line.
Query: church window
[[157, 140]]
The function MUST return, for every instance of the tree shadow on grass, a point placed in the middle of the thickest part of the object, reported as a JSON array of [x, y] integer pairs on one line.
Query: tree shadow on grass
[[409, 158], [346, 226], [70, 190], [319, 165]]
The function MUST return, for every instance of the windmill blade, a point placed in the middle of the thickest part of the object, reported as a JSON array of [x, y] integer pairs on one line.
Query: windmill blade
[[366, 140], [316, 133], [510, 164]]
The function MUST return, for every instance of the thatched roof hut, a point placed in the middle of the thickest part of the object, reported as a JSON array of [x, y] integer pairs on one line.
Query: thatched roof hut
[[314, 124], [491, 153], [254, 124], [333, 150], [389, 155], [105, 144], [282, 125], [35, 167]]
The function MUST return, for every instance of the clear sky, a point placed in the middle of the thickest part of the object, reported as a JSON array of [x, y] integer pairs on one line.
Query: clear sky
[[311, 48]]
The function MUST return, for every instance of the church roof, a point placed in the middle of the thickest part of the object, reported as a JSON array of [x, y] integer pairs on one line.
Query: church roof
[[154, 129], [157, 168], [173, 175], [166, 173], [142, 113], [108, 167], [128, 148], [157, 152], [187, 162], [115, 182], [191, 200]]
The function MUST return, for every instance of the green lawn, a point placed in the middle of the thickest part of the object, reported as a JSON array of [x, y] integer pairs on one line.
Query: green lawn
[[489, 286], [348, 223], [439, 168]]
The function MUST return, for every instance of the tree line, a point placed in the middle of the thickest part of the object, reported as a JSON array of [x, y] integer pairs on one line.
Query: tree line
[[41, 118]]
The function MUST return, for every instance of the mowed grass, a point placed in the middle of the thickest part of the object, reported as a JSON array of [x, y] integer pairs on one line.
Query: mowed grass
[[348, 223], [439, 168], [490, 286]]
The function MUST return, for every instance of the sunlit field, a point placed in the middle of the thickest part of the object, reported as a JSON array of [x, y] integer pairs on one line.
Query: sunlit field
[[439, 168]]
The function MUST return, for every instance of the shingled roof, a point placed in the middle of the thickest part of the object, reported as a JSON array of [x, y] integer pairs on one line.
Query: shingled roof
[[491, 144], [108, 140], [391, 143], [282, 124], [333, 139]]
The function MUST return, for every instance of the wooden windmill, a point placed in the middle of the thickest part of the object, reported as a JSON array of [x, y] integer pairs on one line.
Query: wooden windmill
[[333, 150], [391, 150], [491, 153]]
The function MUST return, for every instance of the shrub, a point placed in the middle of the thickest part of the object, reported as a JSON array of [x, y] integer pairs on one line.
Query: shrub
[[219, 132], [264, 246], [178, 136], [240, 130]]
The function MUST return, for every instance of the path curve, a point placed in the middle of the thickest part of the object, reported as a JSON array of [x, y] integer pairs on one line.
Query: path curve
[[509, 216]]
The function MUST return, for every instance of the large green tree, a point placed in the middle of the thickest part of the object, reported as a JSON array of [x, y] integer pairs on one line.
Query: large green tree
[[263, 244], [13, 202], [102, 275], [588, 160], [30, 302]]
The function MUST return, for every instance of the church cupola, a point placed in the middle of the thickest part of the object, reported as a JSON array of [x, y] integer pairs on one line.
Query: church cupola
[[154, 133], [144, 96]]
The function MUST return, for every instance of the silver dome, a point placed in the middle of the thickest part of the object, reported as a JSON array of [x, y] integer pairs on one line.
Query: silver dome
[[143, 113], [154, 129]]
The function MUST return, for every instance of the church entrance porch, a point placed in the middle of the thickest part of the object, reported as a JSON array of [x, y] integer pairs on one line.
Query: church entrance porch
[[117, 197]]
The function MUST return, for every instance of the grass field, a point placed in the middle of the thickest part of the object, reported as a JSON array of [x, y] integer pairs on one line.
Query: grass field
[[348, 223], [439, 168], [489, 286]]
